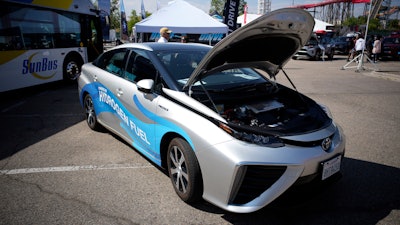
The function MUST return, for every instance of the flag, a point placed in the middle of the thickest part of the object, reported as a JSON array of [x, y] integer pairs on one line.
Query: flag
[[124, 24], [158, 5], [143, 12], [245, 14]]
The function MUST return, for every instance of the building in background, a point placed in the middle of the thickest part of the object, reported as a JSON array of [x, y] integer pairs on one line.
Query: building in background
[[264, 6]]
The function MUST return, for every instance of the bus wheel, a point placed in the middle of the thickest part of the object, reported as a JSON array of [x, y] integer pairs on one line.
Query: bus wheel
[[72, 68]]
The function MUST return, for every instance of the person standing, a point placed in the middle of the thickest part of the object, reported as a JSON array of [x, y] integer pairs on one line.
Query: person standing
[[376, 49], [360, 44], [164, 35], [184, 39], [351, 48]]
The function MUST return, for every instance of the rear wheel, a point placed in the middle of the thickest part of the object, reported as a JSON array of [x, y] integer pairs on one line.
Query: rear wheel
[[331, 54], [91, 118], [317, 56], [184, 171]]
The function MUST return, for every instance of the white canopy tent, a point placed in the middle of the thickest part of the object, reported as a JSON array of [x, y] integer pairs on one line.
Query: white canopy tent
[[321, 25], [181, 17]]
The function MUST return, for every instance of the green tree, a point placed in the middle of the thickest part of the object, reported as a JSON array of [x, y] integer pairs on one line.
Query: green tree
[[241, 7], [218, 6], [353, 21], [115, 16], [374, 23], [393, 24], [134, 18]]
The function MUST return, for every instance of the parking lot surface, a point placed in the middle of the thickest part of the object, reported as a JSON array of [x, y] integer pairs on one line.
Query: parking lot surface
[[55, 170]]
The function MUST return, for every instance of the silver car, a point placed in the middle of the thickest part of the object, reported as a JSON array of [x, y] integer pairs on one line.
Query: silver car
[[214, 117]]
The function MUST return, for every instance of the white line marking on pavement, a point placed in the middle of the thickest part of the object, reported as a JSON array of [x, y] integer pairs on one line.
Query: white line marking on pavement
[[13, 106], [74, 168]]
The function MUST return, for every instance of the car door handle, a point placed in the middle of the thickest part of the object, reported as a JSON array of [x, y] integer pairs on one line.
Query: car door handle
[[119, 92]]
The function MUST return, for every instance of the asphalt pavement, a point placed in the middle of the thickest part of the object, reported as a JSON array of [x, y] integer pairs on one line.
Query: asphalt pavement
[[55, 170]]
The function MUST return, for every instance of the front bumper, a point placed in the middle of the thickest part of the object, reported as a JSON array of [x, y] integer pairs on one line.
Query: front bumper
[[307, 54], [243, 178]]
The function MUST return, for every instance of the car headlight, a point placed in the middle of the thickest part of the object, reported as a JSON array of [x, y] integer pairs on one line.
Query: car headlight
[[258, 139], [326, 110]]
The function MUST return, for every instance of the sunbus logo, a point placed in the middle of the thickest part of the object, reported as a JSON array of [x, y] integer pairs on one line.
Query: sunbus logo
[[36, 66]]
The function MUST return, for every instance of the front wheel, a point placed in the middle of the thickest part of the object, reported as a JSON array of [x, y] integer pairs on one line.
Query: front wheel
[[91, 118], [317, 56], [184, 171]]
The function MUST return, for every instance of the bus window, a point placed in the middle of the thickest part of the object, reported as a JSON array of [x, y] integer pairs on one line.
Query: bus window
[[41, 44]]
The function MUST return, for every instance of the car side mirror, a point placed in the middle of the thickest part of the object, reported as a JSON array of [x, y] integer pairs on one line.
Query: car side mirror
[[145, 85]]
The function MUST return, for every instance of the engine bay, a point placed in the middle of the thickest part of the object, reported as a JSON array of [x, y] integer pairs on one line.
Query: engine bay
[[269, 114], [281, 111]]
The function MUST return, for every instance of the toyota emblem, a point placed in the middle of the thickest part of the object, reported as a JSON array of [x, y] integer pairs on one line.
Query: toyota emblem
[[326, 144]]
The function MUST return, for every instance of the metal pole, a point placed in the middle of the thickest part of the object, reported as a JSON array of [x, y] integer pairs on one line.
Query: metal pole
[[360, 64]]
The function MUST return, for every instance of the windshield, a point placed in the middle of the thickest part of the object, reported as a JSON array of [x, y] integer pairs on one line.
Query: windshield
[[229, 79], [181, 63]]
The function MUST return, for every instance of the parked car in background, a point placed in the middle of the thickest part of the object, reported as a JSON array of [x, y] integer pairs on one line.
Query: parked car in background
[[214, 118], [329, 46], [316, 50], [343, 44], [391, 48]]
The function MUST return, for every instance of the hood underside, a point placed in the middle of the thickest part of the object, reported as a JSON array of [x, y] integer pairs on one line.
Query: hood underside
[[266, 43]]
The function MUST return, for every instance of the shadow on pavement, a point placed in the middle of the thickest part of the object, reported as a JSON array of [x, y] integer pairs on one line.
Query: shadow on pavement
[[30, 115]]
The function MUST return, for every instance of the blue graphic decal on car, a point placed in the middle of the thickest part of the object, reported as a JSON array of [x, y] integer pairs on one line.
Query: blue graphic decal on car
[[145, 137], [162, 125], [106, 102]]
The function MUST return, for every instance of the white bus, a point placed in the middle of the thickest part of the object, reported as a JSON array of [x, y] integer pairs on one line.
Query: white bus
[[46, 41]]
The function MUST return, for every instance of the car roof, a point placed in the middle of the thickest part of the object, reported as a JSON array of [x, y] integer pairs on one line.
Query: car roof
[[155, 46]]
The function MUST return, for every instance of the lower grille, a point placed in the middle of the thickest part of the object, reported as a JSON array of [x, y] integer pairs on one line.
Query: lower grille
[[256, 180]]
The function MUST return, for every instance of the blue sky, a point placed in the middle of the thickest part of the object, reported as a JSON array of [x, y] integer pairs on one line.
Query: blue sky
[[151, 5]]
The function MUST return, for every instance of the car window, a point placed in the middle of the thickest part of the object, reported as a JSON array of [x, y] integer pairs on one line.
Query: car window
[[313, 42], [113, 61], [139, 67]]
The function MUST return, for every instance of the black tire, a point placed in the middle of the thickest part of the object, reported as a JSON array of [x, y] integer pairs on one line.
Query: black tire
[[72, 68], [330, 56], [184, 171], [317, 56], [91, 118]]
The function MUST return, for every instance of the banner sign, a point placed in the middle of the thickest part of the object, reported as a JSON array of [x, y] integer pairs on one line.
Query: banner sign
[[124, 23], [104, 8], [231, 12]]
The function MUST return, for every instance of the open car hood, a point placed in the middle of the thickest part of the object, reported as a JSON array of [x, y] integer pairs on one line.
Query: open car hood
[[266, 43]]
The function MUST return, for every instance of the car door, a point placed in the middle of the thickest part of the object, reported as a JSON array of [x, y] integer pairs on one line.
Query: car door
[[139, 107], [108, 76]]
